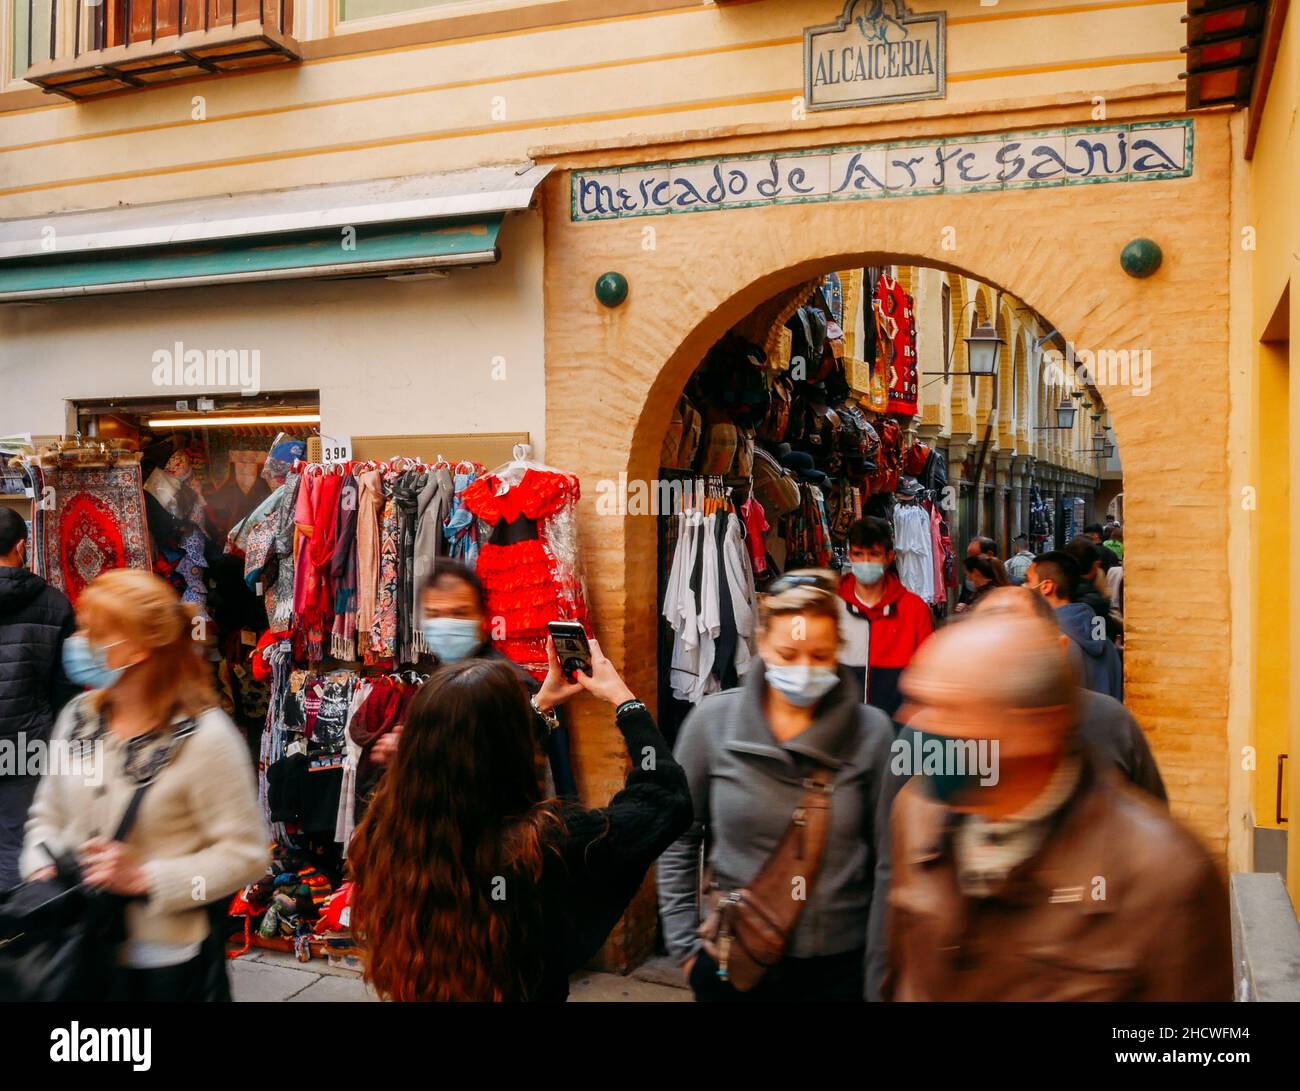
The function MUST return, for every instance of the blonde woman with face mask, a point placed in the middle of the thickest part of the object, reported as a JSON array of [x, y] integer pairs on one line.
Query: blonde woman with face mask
[[150, 716], [752, 755]]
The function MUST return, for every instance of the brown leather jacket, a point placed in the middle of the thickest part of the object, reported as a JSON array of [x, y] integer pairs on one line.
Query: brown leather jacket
[[1120, 903]]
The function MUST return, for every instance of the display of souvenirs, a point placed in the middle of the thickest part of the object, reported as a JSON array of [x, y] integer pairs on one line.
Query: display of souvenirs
[[804, 452]]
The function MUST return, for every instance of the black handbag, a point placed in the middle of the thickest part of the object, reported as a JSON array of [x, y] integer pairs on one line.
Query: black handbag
[[58, 937]]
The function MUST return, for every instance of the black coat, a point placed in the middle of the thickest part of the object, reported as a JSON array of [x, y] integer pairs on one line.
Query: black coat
[[35, 619]]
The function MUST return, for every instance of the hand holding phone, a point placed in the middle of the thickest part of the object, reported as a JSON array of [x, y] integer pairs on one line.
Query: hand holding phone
[[594, 672], [571, 648]]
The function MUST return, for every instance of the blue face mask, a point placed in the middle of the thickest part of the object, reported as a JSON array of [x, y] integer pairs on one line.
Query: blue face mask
[[868, 572], [85, 665], [801, 686], [452, 638]]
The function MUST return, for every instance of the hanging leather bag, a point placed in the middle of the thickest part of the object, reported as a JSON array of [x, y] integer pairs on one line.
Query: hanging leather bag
[[747, 931]]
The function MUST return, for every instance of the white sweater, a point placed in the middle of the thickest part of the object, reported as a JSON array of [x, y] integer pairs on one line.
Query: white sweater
[[199, 835]]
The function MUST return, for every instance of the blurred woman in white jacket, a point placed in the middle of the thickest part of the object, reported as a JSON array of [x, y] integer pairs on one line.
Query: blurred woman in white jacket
[[198, 836]]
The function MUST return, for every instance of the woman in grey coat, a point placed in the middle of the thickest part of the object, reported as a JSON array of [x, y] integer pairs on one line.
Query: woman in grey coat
[[746, 752]]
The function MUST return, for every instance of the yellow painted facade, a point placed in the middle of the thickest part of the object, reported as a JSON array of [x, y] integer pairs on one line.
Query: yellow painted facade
[[1266, 227], [1212, 614]]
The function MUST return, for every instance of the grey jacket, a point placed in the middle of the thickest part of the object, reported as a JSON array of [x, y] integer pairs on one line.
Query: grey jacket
[[745, 787]]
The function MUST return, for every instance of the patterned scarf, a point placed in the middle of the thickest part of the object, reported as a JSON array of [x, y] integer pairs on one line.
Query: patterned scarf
[[343, 573], [383, 630]]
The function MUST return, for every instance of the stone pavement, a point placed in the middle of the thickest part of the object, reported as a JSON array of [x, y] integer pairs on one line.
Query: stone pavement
[[277, 977]]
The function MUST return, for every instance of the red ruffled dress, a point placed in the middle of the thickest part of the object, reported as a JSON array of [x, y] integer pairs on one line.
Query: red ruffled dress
[[528, 565]]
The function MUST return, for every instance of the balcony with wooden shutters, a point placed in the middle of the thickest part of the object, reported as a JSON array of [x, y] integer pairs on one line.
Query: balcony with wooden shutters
[[117, 45]]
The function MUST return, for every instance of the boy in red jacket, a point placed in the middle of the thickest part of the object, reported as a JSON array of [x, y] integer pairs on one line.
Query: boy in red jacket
[[882, 623]]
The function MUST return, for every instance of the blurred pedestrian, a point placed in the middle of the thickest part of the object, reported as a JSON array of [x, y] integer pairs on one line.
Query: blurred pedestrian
[[1053, 575], [791, 786], [455, 625], [1092, 588], [35, 619], [1024, 869], [471, 884], [166, 754], [1113, 539], [983, 574], [1095, 533], [1104, 723], [1017, 565]]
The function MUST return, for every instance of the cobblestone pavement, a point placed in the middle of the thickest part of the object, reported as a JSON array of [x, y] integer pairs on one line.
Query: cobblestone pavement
[[277, 977]]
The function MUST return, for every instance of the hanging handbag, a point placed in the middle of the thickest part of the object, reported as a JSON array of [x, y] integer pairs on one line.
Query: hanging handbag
[[747, 931], [58, 937]]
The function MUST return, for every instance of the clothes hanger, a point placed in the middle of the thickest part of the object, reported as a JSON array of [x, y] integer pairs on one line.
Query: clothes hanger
[[512, 472]]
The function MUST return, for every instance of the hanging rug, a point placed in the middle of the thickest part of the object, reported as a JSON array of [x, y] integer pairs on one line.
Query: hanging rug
[[95, 521]]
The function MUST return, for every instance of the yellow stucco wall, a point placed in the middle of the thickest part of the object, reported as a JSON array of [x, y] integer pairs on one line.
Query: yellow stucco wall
[[1268, 206]]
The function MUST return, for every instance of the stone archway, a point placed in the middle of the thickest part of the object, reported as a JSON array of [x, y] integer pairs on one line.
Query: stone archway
[[613, 377]]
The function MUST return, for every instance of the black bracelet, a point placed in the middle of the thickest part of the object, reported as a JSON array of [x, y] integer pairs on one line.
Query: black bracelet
[[627, 706]]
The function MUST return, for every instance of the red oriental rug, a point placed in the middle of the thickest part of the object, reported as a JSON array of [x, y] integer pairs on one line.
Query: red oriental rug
[[93, 520]]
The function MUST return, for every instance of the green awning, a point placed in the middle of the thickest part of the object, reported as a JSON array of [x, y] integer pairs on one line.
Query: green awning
[[385, 249]]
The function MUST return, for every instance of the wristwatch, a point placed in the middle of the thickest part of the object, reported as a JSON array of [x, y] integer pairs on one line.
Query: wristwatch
[[551, 719]]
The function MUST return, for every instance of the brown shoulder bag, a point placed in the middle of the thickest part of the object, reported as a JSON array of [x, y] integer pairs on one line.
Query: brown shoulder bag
[[747, 931]]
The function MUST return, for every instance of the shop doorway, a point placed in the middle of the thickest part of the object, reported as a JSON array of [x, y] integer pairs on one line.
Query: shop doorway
[[206, 462], [843, 397]]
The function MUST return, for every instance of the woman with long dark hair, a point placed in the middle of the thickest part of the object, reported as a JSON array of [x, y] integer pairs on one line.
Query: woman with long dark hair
[[469, 883]]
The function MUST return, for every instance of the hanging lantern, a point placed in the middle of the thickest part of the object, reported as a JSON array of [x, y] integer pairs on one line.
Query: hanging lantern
[[1065, 414], [982, 348]]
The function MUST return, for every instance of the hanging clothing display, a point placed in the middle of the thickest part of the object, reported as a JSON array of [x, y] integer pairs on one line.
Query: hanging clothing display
[[710, 600], [528, 564], [896, 343], [914, 549]]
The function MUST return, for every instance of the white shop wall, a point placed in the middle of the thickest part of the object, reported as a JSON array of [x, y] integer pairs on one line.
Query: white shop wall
[[453, 355]]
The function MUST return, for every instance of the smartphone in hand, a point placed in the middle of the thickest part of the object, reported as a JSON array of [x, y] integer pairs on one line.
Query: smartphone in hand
[[571, 648]]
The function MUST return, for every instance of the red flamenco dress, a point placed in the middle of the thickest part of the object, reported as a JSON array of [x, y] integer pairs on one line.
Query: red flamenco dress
[[528, 565]]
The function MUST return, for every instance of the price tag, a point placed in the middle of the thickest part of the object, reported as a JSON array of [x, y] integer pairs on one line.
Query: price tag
[[335, 448]]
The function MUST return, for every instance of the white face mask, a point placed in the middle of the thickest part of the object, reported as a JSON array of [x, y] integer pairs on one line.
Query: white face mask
[[801, 686]]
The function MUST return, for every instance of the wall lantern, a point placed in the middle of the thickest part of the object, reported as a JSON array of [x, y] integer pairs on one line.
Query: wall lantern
[[1094, 417], [1076, 394], [611, 289], [982, 349], [1064, 417], [1140, 258]]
